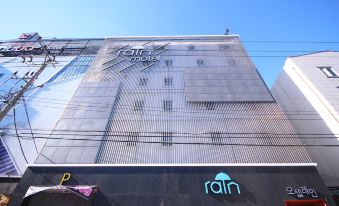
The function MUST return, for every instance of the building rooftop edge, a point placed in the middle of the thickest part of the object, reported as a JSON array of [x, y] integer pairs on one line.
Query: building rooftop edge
[[181, 165], [132, 37], [172, 37], [316, 52]]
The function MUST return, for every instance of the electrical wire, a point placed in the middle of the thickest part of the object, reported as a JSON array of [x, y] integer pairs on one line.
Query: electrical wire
[[219, 143], [10, 91], [72, 104], [18, 137], [49, 40], [14, 106], [244, 55], [169, 114], [5, 81], [155, 134], [29, 123]]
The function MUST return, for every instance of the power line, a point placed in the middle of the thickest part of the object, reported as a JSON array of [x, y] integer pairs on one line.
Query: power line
[[81, 41], [72, 104], [223, 51], [213, 55], [104, 104], [126, 133], [269, 115], [29, 123], [5, 81], [225, 136], [18, 137], [169, 114], [186, 143]]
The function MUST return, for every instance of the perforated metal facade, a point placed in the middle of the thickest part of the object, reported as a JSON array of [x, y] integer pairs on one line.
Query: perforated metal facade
[[216, 109]]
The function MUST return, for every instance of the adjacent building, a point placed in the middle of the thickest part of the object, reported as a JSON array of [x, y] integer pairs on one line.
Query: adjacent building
[[158, 120], [307, 90]]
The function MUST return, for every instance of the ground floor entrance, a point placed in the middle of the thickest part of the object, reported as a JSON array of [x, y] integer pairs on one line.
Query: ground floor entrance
[[305, 203], [162, 185]]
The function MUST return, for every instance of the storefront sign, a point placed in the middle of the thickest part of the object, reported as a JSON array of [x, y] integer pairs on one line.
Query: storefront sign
[[85, 191], [5, 49], [139, 54], [302, 192], [222, 185], [65, 177], [25, 50], [26, 36], [4, 199]]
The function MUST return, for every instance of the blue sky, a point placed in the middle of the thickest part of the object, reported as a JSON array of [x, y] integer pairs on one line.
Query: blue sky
[[308, 21]]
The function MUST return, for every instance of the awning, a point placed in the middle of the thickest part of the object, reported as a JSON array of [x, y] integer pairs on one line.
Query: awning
[[85, 191]]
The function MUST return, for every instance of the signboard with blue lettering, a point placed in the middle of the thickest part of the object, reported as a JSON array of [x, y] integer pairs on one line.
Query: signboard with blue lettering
[[180, 185], [222, 185]]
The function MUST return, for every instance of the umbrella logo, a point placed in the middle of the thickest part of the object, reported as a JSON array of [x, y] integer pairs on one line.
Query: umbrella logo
[[223, 184]]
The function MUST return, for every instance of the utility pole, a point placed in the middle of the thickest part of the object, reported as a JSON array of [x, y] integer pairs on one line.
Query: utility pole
[[11, 102]]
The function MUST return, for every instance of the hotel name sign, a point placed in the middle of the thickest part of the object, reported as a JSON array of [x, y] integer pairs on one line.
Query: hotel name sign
[[25, 50], [140, 54]]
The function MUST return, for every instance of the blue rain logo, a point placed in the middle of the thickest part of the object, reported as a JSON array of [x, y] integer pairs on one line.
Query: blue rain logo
[[223, 185]]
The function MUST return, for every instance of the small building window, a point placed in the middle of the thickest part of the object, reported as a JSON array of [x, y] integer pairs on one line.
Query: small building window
[[231, 62], [168, 80], [143, 81], [216, 138], [138, 105], [200, 62], [132, 138], [168, 63], [2, 74], [167, 138], [329, 71], [190, 47], [210, 105], [168, 105], [224, 47]]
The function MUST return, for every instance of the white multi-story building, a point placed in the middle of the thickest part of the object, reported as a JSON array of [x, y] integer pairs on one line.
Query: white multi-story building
[[307, 90]]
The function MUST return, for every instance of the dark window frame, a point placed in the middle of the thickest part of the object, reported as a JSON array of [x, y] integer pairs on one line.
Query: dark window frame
[[216, 138], [330, 70], [231, 62], [139, 105], [168, 62], [168, 81], [168, 105], [132, 138], [200, 62], [143, 81], [166, 138]]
